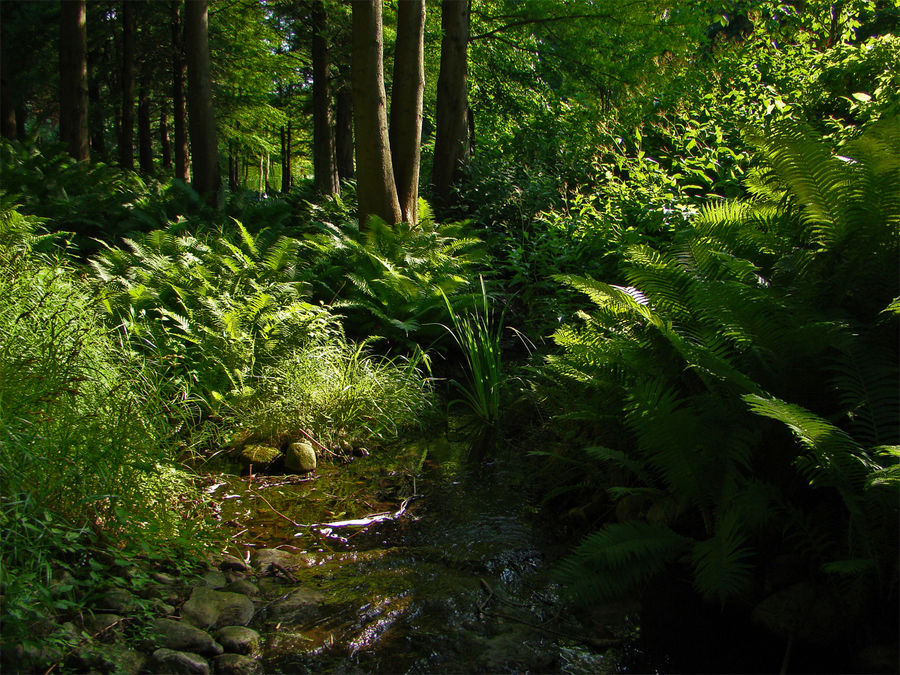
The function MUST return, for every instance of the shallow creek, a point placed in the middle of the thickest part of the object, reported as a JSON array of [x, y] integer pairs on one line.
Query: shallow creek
[[449, 577]]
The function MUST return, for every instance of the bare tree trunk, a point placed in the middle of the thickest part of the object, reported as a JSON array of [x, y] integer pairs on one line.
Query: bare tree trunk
[[204, 145], [164, 142], [324, 160], [376, 190], [285, 165], [179, 122], [343, 132], [288, 151], [7, 107], [145, 133], [451, 143], [73, 89], [406, 104], [126, 138], [95, 116]]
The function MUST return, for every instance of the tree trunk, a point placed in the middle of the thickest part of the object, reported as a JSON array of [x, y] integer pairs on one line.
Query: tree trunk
[[406, 104], [95, 116], [451, 143], [126, 138], [324, 160], [204, 145], [164, 138], [288, 150], [285, 165], [376, 190], [73, 89], [232, 169], [343, 132], [179, 121], [7, 107], [145, 133]]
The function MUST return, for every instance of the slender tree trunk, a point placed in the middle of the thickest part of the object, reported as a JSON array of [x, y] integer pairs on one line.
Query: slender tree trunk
[[343, 132], [376, 190], [285, 166], [164, 142], [145, 133], [95, 117], [126, 138], [73, 89], [451, 143], [325, 174], [232, 169], [406, 104], [259, 182], [179, 120], [204, 145], [7, 107], [288, 149]]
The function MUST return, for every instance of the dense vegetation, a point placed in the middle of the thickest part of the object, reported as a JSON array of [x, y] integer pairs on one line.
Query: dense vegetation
[[663, 262]]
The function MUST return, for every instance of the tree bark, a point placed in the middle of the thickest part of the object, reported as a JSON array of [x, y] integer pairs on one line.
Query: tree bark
[[7, 107], [325, 172], [285, 167], [376, 190], [343, 132], [164, 142], [126, 130], [406, 104], [95, 116], [73, 88], [204, 144], [451, 143], [145, 133], [179, 119]]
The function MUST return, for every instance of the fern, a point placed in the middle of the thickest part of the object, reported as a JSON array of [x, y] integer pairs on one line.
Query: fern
[[619, 559]]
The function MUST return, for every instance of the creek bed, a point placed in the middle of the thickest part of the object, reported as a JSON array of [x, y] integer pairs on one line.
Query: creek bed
[[449, 576]]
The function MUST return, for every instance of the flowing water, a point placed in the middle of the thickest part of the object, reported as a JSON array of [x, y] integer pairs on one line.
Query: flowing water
[[449, 576]]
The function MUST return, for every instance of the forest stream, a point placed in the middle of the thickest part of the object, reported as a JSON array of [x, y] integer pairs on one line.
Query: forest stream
[[422, 559]]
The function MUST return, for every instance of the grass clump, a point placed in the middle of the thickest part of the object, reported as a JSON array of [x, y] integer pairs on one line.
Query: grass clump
[[338, 392]]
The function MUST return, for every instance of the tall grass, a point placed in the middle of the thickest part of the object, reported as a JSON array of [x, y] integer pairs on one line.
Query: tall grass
[[82, 433]]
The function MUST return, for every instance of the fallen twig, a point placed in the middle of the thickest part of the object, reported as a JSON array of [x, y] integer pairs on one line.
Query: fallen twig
[[274, 510]]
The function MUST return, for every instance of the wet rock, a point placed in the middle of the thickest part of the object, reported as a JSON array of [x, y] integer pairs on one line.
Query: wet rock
[[230, 563], [108, 659], [213, 579], [803, 610], [272, 586], [30, 658], [878, 659], [244, 587], [174, 662], [103, 625], [161, 607], [272, 561], [301, 606], [183, 637], [117, 600], [239, 639], [163, 578], [258, 455], [236, 664], [208, 608], [300, 456]]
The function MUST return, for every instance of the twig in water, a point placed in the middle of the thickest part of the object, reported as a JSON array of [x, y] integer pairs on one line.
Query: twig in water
[[276, 511]]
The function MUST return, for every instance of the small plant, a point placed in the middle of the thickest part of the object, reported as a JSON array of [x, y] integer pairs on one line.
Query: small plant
[[477, 333]]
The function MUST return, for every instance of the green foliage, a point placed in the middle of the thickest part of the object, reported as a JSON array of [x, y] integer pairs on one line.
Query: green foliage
[[83, 439], [793, 281]]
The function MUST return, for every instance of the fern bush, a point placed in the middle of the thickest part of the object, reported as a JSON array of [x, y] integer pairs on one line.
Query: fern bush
[[213, 310], [391, 280], [768, 315]]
